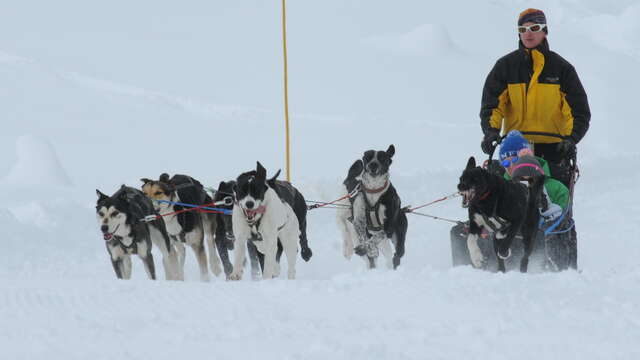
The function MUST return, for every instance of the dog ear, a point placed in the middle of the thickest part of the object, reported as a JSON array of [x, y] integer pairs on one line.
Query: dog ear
[[164, 177], [101, 196], [261, 172], [121, 194], [274, 177], [391, 151], [146, 181], [471, 163], [368, 153], [356, 169]]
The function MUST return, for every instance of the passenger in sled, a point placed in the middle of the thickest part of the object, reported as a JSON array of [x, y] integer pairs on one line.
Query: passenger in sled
[[513, 150]]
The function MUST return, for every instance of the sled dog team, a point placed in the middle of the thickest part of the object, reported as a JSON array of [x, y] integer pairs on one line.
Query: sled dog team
[[256, 215], [265, 217]]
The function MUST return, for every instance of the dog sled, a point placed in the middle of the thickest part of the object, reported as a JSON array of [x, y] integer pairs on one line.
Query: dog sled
[[555, 248]]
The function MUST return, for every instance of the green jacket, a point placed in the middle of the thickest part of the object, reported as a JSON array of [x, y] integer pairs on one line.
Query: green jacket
[[558, 193]]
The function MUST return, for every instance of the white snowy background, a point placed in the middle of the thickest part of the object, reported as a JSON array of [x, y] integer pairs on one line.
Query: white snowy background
[[97, 94]]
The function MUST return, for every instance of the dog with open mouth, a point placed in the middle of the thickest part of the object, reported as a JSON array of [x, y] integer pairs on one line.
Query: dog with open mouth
[[126, 231], [268, 212], [188, 227], [501, 207], [378, 218], [225, 240], [225, 229]]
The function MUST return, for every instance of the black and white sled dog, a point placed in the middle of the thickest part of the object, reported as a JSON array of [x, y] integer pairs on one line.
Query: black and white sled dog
[[188, 227], [375, 220], [504, 208], [121, 217], [265, 213], [225, 240], [224, 232]]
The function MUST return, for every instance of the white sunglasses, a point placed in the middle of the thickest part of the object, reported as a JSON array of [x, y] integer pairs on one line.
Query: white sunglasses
[[532, 28]]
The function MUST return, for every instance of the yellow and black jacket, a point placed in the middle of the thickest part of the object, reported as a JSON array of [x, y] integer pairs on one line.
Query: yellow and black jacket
[[535, 90]]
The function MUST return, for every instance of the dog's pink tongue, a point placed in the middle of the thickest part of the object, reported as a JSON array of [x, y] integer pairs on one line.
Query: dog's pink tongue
[[108, 236]]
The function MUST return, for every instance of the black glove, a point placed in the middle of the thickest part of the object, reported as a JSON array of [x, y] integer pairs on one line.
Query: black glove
[[492, 135], [567, 148], [495, 167]]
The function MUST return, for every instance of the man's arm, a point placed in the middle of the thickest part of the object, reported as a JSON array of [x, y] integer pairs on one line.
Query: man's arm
[[576, 99], [494, 99]]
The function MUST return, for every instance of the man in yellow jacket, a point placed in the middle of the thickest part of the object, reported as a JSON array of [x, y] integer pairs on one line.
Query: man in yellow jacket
[[535, 89]]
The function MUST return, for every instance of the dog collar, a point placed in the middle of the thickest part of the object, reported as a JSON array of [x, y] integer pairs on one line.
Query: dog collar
[[377, 190], [484, 196], [120, 238]]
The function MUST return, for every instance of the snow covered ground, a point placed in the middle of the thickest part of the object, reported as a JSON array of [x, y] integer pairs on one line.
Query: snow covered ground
[[96, 95]]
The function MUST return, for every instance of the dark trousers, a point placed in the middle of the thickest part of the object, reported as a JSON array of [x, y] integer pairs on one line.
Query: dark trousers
[[560, 170], [558, 164]]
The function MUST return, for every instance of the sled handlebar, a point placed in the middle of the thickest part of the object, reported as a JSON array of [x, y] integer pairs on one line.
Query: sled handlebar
[[540, 133], [572, 161]]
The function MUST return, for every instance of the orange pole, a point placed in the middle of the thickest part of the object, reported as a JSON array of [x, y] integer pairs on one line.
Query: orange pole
[[286, 90]]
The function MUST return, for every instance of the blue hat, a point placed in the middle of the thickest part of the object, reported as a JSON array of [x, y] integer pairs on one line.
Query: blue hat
[[513, 143]]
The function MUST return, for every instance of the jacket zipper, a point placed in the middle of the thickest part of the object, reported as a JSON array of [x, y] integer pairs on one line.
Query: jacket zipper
[[529, 59]]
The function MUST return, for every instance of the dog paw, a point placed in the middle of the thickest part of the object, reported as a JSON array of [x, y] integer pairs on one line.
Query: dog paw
[[477, 259], [396, 262], [478, 262], [235, 276], [216, 269], [347, 252], [306, 254], [360, 250], [276, 271]]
